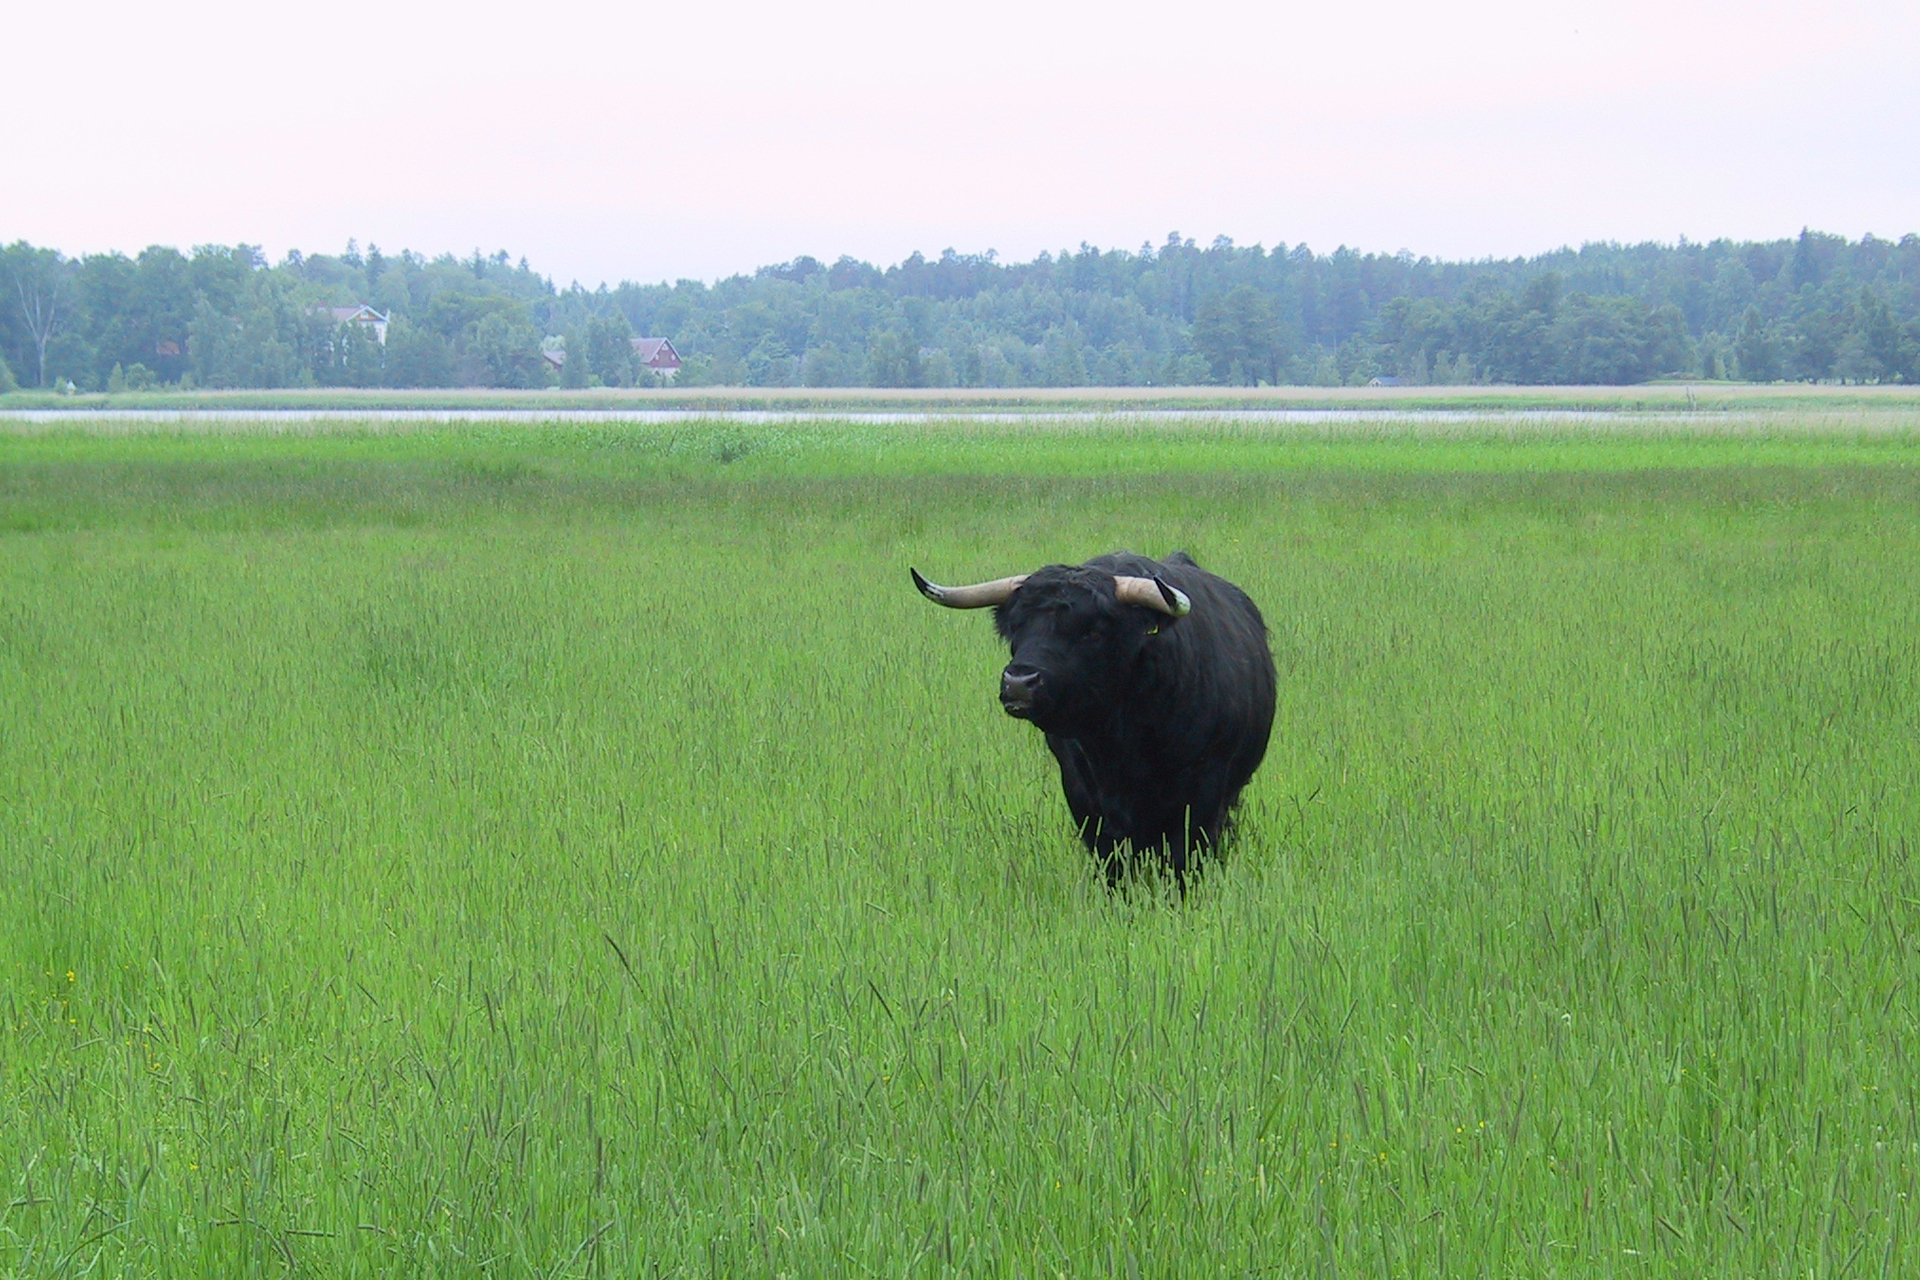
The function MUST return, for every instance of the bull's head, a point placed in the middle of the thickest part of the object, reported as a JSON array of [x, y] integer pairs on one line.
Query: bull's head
[[1076, 633]]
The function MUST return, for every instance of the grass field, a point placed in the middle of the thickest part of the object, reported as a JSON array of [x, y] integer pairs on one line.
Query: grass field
[[578, 851]]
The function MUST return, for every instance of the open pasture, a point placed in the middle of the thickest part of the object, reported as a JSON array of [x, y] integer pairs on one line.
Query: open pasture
[[578, 851]]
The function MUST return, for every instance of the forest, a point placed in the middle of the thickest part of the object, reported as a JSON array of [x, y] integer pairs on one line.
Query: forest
[[1817, 308]]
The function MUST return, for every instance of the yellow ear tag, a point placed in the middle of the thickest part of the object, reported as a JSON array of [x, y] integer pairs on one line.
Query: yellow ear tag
[[1154, 630]]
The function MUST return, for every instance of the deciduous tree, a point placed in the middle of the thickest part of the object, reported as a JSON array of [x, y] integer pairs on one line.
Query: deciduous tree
[[40, 287]]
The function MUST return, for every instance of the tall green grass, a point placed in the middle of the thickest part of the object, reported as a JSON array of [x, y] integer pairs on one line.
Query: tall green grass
[[576, 852]]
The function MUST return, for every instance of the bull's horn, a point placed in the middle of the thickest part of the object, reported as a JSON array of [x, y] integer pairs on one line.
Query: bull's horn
[[1151, 593], [977, 596]]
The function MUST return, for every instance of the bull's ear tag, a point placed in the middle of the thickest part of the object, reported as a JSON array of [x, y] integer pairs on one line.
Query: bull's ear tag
[[1154, 630]]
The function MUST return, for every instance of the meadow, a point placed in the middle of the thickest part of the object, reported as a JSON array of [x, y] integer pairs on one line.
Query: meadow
[[575, 850]]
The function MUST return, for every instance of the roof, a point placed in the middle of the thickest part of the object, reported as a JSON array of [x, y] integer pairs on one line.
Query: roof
[[362, 313]]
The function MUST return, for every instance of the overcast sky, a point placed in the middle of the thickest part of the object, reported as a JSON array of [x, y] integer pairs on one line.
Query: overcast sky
[[613, 141]]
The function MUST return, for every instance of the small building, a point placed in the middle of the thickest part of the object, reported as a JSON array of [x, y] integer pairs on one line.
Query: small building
[[374, 321], [658, 355], [1384, 380]]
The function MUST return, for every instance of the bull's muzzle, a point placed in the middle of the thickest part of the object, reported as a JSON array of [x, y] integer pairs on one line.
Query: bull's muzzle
[[1017, 686]]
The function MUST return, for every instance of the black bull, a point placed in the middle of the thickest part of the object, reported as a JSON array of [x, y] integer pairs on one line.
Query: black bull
[[1154, 685]]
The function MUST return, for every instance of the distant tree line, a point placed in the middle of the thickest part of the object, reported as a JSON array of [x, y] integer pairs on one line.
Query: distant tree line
[[1814, 308]]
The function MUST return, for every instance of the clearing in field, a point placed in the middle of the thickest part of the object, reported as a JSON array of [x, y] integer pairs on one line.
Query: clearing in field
[[577, 850]]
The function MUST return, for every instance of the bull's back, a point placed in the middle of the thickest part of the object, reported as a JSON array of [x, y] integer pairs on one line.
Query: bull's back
[[1217, 679], [1228, 660]]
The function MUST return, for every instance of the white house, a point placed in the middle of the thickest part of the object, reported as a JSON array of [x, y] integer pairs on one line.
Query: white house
[[375, 321]]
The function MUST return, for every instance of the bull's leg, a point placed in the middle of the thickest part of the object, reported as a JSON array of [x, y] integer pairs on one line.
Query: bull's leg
[[1111, 854], [1185, 852], [1198, 835]]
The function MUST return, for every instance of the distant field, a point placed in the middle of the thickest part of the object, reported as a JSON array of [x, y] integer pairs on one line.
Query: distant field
[[576, 850], [1696, 396]]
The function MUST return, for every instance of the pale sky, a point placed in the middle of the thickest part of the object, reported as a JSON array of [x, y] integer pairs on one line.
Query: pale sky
[[636, 141]]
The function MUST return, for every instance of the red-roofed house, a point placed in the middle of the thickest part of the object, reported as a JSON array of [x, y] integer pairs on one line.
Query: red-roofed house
[[658, 355]]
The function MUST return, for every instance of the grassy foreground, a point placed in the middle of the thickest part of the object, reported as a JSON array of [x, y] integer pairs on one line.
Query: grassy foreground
[[537, 851]]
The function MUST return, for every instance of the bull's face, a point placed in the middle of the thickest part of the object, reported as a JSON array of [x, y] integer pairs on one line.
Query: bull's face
[[1076, 634]]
